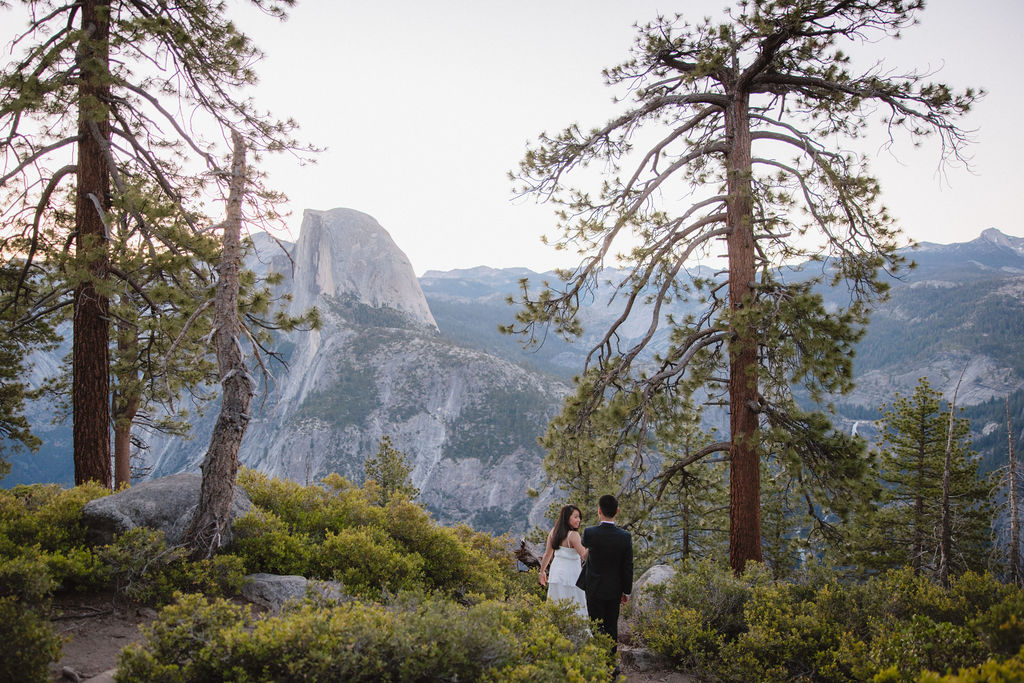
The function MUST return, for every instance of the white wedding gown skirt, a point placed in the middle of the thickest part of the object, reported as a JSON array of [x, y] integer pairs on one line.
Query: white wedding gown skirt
[[562, 574]]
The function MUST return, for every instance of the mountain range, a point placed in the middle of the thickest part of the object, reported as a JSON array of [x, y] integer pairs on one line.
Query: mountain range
[[421, 360]]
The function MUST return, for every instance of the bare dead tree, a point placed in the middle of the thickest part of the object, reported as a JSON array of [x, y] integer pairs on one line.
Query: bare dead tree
[[206, 532], [1016, 568], [945, 540]]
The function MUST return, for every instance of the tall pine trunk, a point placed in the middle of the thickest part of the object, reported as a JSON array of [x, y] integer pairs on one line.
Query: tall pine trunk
[[90, 391], [207, 530], [744, 459]]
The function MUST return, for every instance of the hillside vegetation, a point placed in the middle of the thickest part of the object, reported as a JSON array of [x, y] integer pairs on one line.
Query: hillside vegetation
[[419, 601]]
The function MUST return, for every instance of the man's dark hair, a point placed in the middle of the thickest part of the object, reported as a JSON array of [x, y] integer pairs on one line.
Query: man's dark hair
[[609, 505]]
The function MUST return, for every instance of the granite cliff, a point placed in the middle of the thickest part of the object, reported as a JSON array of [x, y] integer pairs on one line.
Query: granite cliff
[[468, 420]]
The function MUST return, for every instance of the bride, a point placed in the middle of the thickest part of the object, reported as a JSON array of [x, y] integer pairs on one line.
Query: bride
[[563, 556]]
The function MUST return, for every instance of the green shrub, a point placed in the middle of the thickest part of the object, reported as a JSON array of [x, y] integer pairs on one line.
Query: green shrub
[[313, 510], [992, 671], [221, 576], [143, 568], [26, 577], [1001, 626], [368, 559], [682, 634], [453, 561], [415, 638], [491, 566], [185, 643], [790, 638], [889, 628], [35, 574], [27, 643], [707, 588], [904, 649], [979, 592], [695, 614], [135, 561], [336, 530], [43, 542], [77, 569], [266, 544], [900, 594], [44, 515]]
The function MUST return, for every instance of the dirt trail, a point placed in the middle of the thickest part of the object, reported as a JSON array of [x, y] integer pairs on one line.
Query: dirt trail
[[95, 629]]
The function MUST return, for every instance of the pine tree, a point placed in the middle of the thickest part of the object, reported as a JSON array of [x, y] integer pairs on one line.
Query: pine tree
[[162, 310], [902, 525], [389, 469], [157, 296], [692, 517], [720, 102], [88, 104]]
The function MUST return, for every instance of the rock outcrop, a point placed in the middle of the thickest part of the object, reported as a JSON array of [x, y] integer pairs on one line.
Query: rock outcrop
[[274, 591], [165, 504]]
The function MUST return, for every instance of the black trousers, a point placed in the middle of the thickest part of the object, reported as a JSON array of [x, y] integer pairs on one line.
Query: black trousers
[[607, 612]]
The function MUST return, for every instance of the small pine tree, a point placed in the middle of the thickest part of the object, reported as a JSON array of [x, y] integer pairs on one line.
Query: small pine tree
[[390, 470], [901, 525]]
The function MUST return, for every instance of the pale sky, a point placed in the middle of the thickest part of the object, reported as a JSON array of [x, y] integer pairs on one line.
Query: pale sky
[[424, 107]]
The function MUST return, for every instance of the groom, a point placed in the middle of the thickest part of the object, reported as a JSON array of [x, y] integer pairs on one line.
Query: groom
[[608, 577]]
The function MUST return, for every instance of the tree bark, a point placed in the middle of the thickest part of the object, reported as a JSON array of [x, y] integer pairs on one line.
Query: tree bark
[[1015, 559], [124, 404], [90, 390], [122, 455], [124, 414], [206, 532], [744, 459]]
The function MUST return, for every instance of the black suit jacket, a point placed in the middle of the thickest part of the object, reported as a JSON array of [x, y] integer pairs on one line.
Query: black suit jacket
[[609, 570]]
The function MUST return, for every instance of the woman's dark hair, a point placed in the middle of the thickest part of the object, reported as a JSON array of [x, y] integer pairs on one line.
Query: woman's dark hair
[[562, 527]]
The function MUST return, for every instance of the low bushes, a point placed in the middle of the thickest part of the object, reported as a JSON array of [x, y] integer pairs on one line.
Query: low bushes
[[338, 531], [412, 638], [890, 628], [42, 549], [27, 643], [992, 671], [464, 612], [331, 531]]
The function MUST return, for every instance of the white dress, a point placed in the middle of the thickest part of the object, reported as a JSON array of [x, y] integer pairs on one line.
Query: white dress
[[562, 574]]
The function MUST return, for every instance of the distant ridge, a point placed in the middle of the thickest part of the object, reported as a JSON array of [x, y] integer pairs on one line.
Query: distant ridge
[[422, 361]]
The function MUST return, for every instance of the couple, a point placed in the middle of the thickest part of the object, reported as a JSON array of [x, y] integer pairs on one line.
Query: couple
[[606, 580]]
